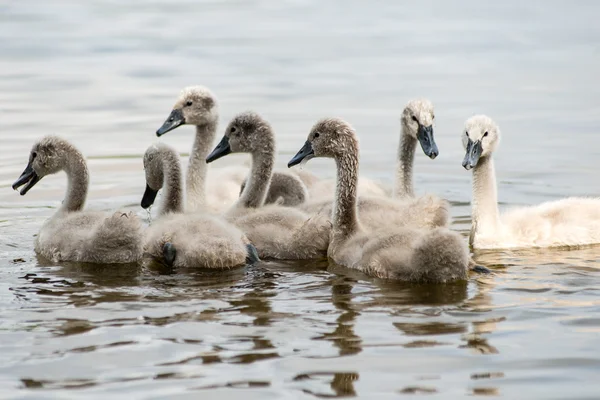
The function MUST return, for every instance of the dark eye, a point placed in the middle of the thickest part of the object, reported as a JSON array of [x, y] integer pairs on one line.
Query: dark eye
[[316, 135], [415, 119], [467, 133], [189, 103], [33, 155], [432, 116], [232, 129], [485, 134]]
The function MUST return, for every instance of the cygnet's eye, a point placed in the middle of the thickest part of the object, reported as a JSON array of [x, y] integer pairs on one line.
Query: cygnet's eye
[[485, 134], [467, 133], [33, 155], [189, 103], [432, 116], [316, 135], [415, 119], [233, 129]]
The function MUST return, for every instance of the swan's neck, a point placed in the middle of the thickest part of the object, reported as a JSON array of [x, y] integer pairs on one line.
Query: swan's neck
[[404, 168], [255, 193], [196, 173], [345, 214], [78, 181], [485, 197], [173, 202]]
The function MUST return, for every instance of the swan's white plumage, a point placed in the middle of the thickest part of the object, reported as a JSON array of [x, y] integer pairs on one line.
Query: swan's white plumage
[[573, 221]]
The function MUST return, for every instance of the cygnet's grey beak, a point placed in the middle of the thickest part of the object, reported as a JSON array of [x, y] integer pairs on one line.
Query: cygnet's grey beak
[[149, 197], [28, 177], [425, 136], [175, 119], [305, 153], [221, 150], [474, 151]]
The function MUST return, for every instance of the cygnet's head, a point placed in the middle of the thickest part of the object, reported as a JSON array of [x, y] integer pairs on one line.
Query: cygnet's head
[[480, 137], [196, 105], [154, 170], [48, 156], [331, 138], [247, 132], [417, 121]]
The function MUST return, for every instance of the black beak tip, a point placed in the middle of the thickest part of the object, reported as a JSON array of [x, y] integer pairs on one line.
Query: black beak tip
[[169, 253], [222, 149], [149, 197]]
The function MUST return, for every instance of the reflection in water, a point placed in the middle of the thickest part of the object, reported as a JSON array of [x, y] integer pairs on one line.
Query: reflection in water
[[343, 336], [340, 383]]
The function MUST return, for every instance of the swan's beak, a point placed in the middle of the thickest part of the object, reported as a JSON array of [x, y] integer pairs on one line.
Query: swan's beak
[[28, 177], [169, 254], [175, 119], [425, 136], [221, 150], [149, 197], [305, 154], [474, 151]]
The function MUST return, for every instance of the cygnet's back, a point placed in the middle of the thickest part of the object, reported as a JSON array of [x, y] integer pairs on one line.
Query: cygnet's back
[[285, 189], [177, 239], [375, 211], [72, 234]]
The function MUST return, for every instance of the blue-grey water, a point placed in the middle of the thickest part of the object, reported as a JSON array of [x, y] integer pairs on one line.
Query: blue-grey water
[[105, 74]]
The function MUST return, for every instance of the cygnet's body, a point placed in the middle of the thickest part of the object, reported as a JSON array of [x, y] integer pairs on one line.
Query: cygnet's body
[[408, 254], [215, 193], [72, 234], [568, 222], [277, 232], [185, 240]]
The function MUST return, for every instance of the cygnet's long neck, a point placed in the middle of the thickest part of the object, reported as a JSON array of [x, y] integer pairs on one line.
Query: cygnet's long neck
[[404, 166], [345, 213], [173, 196], [485, 197], [78, 181], [256, 190], [197, 167]]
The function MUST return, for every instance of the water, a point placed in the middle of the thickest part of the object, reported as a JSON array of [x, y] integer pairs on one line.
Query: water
[[105, 74]]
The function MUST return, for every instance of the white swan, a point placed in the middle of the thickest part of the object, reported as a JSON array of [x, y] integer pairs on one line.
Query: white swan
[[436, 255], [277, 232], [187, 240], [569, 222], [198, 106], [72, 234]]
